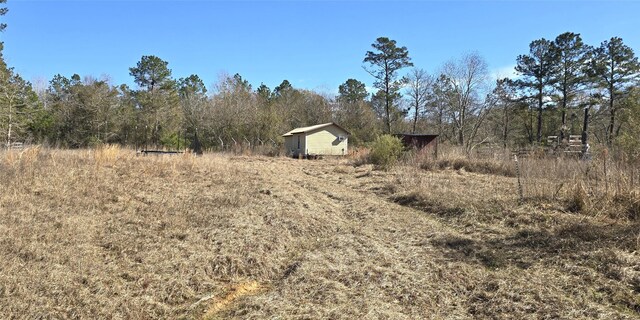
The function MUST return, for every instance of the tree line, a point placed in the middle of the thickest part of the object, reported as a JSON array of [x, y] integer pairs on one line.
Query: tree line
[[461, 101]]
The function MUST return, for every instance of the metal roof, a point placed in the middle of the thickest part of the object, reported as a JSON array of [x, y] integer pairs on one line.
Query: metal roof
[[312, 128], [415, 135]]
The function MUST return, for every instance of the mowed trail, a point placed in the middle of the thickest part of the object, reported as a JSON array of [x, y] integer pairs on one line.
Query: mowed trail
[[370, 257]]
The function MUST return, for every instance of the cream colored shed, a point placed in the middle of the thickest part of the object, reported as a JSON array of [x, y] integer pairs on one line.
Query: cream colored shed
[[327, 139]]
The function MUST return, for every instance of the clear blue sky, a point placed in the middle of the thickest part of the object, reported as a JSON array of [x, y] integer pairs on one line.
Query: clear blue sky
[[313, 44]]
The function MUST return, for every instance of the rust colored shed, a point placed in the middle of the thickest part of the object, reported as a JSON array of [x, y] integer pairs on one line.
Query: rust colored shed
[[419, 141]]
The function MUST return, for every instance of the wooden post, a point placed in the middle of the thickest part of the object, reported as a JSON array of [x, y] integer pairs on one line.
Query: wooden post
[[197, 146], [136, 138], [515, 157], [585, 135]]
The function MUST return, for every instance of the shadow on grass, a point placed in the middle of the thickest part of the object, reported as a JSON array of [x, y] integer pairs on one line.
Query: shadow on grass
[[588, 246], [580, 242]]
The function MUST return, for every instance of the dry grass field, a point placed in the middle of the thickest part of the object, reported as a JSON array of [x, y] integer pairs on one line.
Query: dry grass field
[[105, 234]]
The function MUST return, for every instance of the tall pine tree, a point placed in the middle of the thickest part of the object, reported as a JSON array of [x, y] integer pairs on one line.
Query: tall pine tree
[[536, 69], [613, 67], [569, 56], [386, 61]]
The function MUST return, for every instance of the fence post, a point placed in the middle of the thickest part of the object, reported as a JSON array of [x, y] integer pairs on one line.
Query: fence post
[[515, 157], [585, 135]]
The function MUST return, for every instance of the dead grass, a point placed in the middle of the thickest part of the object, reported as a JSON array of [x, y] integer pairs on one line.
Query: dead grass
[[453, 159], [105, 234], [600, 186]]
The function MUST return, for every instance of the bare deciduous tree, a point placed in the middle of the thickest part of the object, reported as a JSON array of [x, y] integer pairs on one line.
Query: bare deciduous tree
[[419, 89], [468, 80]]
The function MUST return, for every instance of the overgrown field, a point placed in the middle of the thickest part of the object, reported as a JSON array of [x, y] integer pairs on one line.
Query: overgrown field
[[105, 234]]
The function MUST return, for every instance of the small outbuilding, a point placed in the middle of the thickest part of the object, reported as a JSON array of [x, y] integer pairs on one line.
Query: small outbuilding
[[419, 141], [327, 139]]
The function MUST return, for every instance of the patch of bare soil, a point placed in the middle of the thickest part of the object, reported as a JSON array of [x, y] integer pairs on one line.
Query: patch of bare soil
[[86, 235]]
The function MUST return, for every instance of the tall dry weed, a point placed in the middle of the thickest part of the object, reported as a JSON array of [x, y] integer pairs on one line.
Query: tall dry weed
[[359, 156], [456, 159], [107, 155], [603, 185], [579, 200], [25, 161]]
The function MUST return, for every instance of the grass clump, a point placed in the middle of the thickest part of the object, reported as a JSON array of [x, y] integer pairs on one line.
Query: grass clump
[[462, 162], [579, 201], [385, 151]]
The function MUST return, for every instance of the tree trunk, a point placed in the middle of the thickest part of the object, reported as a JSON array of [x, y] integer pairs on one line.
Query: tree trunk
[[388, 115], [564, 114], [540, 104], [440, 116], [505, 128], [461, 128], [612, 118], [564, 124], [415, 117], [9, 134], [387, 99], [10, 124]]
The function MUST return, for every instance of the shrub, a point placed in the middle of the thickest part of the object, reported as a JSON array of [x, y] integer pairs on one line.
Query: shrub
[[385, 151]]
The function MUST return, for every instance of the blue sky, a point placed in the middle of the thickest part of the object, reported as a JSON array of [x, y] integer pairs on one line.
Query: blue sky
[[314, 44]]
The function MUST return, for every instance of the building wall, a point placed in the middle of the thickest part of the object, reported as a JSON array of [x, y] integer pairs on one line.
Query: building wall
[[291, 144], [326, 141], [288, 145], [425, 142]]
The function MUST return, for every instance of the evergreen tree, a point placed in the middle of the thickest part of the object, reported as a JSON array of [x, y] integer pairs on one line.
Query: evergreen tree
[[386, 61], [536, 69], [157, 101], [352, 91], [354, 112], [569, 56], [264, 92], [613, 67], [151, 73], [283, 88], [18, 105], [191, 86]]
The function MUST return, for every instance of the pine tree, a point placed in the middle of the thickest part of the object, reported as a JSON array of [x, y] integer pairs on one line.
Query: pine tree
[[569, 56], [387, 61], [536, 69], [613, 67]]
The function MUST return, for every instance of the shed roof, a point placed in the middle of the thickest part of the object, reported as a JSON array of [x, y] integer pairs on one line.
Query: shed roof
[[415, 135], [313, 128]]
